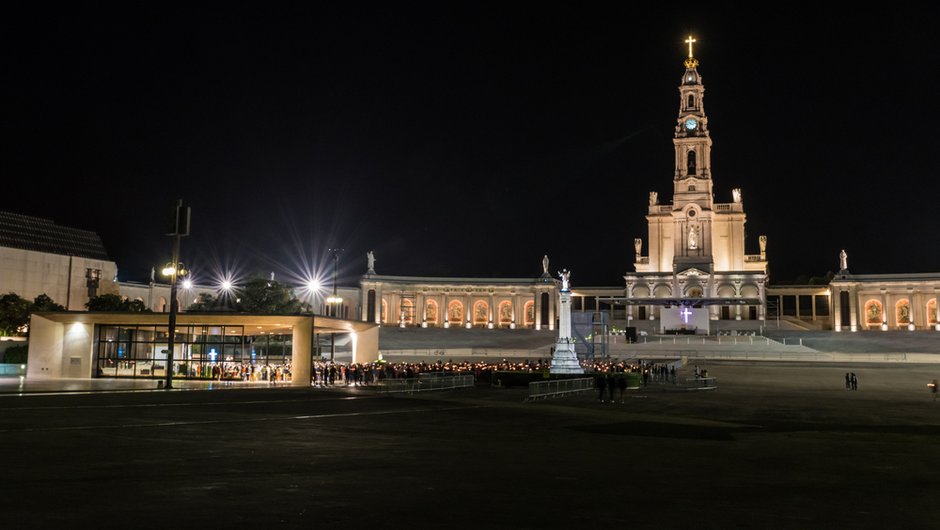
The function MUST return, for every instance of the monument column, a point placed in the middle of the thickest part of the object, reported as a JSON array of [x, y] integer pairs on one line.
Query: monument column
[[762, 308], [300, 353], [378, 305], [564, 358]]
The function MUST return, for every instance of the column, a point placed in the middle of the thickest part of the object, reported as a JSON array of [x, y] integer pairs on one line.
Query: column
[[300, 354], [378, 305], [538, 310], [884, 310], [492, 312], [468, 315], [853, 308], [797, 297], [422, 311], [365, 303], [551, 311], [813, 296], [762, 308], [836, 303], [444, 313]]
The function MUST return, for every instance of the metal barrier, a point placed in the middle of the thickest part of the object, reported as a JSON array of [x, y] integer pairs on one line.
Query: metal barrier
[[559, 387], [424, 384]]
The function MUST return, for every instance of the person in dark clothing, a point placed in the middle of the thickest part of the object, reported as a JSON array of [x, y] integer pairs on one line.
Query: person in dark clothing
[[848, 381], [610, 387], [621, 385], [854, 381], [601, 383]]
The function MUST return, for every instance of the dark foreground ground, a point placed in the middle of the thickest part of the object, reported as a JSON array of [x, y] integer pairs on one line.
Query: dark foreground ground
[[777, 446]]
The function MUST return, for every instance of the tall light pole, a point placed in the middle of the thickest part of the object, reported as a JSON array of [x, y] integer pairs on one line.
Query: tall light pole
[[334, 300], [174, 269]]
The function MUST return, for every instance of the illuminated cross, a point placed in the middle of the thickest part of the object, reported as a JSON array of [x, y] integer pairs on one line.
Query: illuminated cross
[[686, 312], [690, 40]]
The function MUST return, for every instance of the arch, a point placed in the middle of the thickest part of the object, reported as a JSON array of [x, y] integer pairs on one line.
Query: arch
[[481, 312], [384, 318], [543, 309], [408, 311], [161, 305], [750, 290], [874, 313], [640, 291], [430, 312], [455, 312], [690, 162], [529, 313], [662, 291], [932, 311], [726, 290], [902, 312], [505, 313], [691, 104], [694, 291]]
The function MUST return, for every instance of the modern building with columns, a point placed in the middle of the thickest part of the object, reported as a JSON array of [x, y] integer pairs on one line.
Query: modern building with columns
[[81, 344], [696, 245], [460, 302]]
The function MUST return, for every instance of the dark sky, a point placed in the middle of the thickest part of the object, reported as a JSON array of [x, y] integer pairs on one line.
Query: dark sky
[[468, 141]]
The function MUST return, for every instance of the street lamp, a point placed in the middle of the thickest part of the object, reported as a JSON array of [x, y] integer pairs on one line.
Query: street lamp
[[334, 300], [174, 270]]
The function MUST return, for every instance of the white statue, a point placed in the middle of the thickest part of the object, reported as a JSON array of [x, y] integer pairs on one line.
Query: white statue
[[370, 259], [545, 264], [565, 274], [736, 193], [693, 238], [654, 198], [762, 240], [843, 261], [638, 246]]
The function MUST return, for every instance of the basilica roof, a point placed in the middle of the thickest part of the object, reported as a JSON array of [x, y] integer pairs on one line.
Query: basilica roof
[[43, 235]]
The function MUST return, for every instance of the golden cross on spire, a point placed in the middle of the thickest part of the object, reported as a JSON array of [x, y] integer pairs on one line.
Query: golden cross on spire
[[689, 41]]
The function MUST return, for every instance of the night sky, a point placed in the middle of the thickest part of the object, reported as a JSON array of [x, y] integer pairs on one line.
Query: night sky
[[468, 141]]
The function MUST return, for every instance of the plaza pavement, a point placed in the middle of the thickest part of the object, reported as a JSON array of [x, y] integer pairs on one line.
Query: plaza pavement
[[778, 445]]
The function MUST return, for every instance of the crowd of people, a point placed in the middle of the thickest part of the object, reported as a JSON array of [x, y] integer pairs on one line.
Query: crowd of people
[[328, 373]]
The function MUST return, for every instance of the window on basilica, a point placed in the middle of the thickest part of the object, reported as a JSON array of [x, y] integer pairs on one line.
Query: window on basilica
[[529, 313], [691, 101], [691, 163]]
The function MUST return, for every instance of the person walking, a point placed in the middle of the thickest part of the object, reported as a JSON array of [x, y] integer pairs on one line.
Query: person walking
[[848, 381], [854, 381], [601, 382]]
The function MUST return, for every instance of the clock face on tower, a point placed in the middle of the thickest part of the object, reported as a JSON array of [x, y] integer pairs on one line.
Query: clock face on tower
[[691, 124]]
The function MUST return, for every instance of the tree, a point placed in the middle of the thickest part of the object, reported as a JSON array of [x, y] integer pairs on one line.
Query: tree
[[259, 295], [14, 314], [113, 302], [206, 302], [44, 303]]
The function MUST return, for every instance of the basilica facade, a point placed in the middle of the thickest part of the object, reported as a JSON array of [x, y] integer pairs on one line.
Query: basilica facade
[[697, 249]]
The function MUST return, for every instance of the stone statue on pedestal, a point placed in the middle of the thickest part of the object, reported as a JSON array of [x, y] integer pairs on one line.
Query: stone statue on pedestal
[[736, 193], [638, 247], [564, 358], [762, 240], [654, 198], [565, 274], [545, 265], [843, 261], [370, 260], [693, 238]]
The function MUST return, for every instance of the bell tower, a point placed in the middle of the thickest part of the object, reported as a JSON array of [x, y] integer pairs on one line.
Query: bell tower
[[692, 181]]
